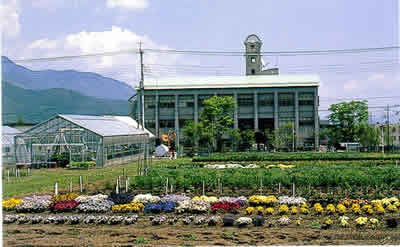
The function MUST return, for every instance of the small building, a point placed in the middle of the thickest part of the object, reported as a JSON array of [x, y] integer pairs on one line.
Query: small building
[[7, 142], [265, 100], [105, 139]]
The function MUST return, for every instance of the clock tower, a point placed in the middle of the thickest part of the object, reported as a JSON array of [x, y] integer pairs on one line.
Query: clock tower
[[253, 57]]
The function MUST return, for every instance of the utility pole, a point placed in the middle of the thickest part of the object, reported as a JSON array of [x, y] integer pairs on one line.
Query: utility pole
[[141, 85], [383, 139], [388, 124]]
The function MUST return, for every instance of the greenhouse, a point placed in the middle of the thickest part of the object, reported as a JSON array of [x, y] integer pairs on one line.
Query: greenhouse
[[7, 142], [106, 140]]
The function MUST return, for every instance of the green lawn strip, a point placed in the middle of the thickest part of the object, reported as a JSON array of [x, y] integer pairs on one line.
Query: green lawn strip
[[43, 180]]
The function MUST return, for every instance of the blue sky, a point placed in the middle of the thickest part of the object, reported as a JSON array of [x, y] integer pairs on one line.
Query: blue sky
[[46, 28]]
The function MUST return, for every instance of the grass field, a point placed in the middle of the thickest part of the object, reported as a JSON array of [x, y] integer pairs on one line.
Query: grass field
[[94, 180]]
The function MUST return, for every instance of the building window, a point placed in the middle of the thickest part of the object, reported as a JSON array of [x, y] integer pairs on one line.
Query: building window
[[246, 100], [167, 102], [286, 99], [167, 123], [266, 99], [6, 149], [253, 72], [306, 99], [253, 59], [149, 102]]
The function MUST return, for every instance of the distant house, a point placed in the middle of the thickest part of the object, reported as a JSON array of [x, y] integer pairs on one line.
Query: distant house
[[7, 142]]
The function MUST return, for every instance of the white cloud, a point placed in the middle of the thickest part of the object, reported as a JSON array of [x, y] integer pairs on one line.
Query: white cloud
[[128, 4], [9, 17], [121, 66]]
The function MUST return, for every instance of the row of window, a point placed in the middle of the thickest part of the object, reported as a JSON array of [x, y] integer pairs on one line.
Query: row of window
[[284, 99]]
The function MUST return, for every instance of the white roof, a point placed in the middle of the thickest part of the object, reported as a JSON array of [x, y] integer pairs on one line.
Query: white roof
[[8, 134], [107, 125], [255, 81]]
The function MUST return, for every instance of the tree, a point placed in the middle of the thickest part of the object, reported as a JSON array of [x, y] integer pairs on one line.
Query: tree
[[346, 119], [192, 133], [247, 139], [369, 136], [20, 121], [216, 120], [283, 138]]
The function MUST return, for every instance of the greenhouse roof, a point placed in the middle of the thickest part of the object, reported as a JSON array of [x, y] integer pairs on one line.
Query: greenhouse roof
[[107, 125], [8, 134]]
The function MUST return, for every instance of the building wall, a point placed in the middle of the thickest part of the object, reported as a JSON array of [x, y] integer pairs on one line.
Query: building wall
[[256, 108]]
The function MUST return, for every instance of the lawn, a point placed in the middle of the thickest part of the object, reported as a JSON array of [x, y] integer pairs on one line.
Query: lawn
[[94, 180]]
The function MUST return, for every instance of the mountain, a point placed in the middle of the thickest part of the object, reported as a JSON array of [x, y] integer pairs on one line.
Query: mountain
[[86, 83], [38, 105]]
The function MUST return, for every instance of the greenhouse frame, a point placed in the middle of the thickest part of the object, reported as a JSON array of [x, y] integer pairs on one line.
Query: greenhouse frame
[[107, 140]]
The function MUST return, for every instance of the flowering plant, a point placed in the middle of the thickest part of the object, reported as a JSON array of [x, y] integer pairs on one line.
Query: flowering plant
[[327, 223], [341, 208], [209, 199], [374, 222], [318, 208], [128, 208], [175, 198], [330, 209], [84, 199], [250, 210], [225, 206], [243, 221], [64, 206], [167, 207], [361, 221], [187, 220], [34, 204], [291, 200], [355, 208], [283, 209], [95, 206], [11, 203], [114, 220], [284, 221], [146, 198], [158, 220], [65, 197], [391, 208], [121, 198], [269, 211], [304, 210], [293, 210], [128, 220], [10, 218], [213, 220], [199, 220], [264, 200]]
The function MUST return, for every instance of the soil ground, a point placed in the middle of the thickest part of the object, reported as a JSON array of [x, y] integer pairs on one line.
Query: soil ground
[[143, 233]]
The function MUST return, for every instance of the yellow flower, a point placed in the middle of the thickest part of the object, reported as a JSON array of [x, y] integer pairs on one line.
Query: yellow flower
[[391, 208], [22, 215], [330, 209], [304, 210], [11, 203], [65, 197], [283, 209], [259, 209], [343, 221], [269, 211], [366, 207], [268, 200], [299, 222], [341, 208], [379, 209], [374, 221], [355, 208], [304, 205], [318, 208], [130, 207], [250, 210], [360, 221], [293, 209], [328, 222]]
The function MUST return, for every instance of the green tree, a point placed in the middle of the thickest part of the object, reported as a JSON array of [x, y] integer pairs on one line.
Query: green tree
[[216, 120], [283, 138], [246, 139], [192, 133], [236, 137], [20, 121], [346, 119], [369, 136]]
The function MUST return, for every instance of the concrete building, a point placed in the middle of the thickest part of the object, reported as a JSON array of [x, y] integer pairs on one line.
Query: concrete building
[[264, 99]]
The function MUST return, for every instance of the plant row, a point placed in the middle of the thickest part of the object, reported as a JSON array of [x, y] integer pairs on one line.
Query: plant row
[[149, 204], [255, 156], [227, 221], [387, 178]]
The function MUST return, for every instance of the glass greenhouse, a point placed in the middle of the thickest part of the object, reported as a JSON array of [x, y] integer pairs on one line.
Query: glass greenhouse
[[106, 140]]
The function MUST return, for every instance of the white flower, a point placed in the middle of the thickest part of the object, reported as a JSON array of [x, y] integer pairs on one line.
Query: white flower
[[146, 198], [244, 221], [284, 221], [291, 200]]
